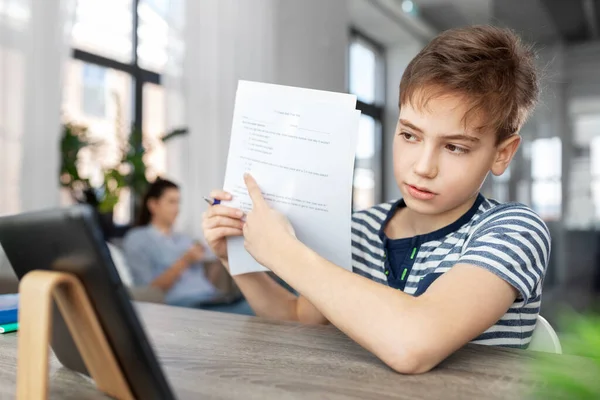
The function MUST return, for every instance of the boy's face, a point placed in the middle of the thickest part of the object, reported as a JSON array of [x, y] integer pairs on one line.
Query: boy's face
[[438, 164]]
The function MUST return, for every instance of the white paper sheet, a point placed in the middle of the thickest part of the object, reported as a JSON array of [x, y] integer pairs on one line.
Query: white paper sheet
[[299, 145]]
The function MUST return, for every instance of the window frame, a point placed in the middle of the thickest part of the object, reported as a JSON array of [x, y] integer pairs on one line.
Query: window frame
[[376, 109], [139, 75]]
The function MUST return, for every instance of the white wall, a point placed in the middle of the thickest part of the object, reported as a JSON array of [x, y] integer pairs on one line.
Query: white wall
[[277, 41], [397, 58], [582, 70], [310, 43]]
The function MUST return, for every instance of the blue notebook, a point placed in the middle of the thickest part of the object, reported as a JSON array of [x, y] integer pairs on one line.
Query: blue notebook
[[9, 306]]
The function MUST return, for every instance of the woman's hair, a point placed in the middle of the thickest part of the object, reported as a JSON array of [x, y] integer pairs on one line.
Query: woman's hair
[[155, 191]]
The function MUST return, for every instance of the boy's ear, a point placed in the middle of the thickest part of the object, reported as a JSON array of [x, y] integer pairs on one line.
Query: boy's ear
[[505, 153]]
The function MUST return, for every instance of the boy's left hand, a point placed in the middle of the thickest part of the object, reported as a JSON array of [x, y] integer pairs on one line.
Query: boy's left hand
[[267, 232]]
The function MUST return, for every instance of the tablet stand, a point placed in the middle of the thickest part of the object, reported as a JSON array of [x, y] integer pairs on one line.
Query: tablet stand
[[37, 289]]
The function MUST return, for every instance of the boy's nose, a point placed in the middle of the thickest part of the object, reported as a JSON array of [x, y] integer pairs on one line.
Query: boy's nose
[[426, 165]]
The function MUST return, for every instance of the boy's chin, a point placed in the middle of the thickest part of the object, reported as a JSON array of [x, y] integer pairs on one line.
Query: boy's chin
[[424, 207]]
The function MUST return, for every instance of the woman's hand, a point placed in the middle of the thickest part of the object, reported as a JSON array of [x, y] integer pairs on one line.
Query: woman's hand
[[267, 232], [195, 253], [220, 222]]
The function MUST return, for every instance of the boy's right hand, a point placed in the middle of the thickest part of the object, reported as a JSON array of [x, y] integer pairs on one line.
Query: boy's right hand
[[220, 222]]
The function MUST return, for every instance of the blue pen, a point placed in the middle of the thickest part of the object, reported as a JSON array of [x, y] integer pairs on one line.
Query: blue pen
[[212, 202]]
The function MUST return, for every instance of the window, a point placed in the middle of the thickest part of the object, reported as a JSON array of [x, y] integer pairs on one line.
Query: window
[[94, 90], [584, 191], [154, 121], [113, 83], [546, 171], [105, 28], [595, 171], [366, 81]]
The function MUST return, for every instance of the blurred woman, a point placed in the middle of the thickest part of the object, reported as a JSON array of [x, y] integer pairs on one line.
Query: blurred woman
[[160, 257]]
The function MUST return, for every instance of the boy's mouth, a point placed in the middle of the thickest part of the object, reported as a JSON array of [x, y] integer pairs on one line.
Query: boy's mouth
[[420, 192]]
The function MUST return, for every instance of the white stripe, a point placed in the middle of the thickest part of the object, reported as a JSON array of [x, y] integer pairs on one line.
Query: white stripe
[[410, 290], [433, 264], [382, 216], [500, 342], [535, 304], [516, 316], [515, 329]]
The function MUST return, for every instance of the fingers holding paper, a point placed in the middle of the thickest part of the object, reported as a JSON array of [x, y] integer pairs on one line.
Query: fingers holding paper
[[220, 222], [266, 231]]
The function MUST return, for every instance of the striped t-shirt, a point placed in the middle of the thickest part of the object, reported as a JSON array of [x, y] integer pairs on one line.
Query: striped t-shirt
[[509, 240]]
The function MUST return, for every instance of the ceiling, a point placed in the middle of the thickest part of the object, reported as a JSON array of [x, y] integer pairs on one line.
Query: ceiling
[[546, 21]]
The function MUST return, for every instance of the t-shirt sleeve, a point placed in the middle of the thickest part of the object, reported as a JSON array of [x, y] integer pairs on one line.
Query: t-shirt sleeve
[[512, 243], [137, 256]]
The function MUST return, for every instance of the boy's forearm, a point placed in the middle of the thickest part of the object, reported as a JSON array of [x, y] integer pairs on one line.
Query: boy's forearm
[[366, 311], [267, 298]]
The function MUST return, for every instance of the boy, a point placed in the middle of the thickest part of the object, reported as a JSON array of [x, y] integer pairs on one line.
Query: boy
[[444, 266]]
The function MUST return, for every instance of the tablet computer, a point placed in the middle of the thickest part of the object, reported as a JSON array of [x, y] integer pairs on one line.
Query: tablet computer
[[45, 240]]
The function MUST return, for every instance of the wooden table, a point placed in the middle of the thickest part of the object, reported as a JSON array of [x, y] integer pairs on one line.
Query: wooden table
[[209, 355]]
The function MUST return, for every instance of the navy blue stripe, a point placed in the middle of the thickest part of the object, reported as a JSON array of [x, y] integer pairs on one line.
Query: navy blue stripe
[[512, 346], [366, 225], [371, 215], [372, 242], [366, 263], [536, 298], [450, 246], [524, 310], [516, 322], [495, 223], [364, 249], [500, 335], [439, 257]]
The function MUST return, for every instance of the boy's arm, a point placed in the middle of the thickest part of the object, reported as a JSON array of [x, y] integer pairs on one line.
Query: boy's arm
[[269, 299], [410, 334]]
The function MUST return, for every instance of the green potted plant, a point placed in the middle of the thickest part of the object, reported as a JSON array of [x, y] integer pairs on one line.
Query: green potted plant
[[129, 172], [133, 161], [562, 377]]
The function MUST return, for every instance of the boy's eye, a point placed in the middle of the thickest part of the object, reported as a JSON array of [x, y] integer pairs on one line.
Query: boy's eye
[[409, 137], [456, 149]]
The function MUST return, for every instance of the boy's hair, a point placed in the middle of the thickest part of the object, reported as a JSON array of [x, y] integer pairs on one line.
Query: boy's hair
[[489, 66]]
